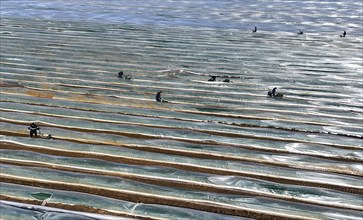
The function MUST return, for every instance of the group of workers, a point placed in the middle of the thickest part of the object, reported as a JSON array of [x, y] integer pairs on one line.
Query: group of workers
[[33, 128], [214, 78], [271, 93], [301, 32], [158, 98]]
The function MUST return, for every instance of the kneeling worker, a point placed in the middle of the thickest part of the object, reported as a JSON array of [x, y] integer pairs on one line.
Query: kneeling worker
[[274, 92], [158, 96], [121, 75], [212, 79]]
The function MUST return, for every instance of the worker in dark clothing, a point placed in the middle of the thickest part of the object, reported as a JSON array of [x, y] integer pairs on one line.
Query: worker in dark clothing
[[212, 79], [158, 96], [33, 130], [343, 35], [121, 76], [301, 32], [274, 92], [254, 31]]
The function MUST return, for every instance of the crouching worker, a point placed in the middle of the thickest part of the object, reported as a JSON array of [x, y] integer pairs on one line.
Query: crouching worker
[[121, 75], [273, 93], [49, 136], [212, 79], [33, 130], [158, 97]]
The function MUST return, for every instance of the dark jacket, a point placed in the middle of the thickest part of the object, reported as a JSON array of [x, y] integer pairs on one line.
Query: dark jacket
[[158, 96], [274, 91], [33, 127]]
